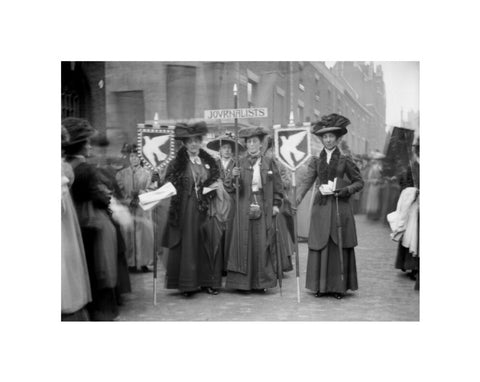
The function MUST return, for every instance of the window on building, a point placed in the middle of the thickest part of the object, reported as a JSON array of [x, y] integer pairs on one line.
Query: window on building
[[70, 104], [300, 113], [301, 85], [181, 91], [130, 106], [329, 100], [279, 106], [251, 93]]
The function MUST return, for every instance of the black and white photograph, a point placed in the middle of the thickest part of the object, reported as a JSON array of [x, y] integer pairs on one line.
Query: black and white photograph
[[230, 191], [240, 190]]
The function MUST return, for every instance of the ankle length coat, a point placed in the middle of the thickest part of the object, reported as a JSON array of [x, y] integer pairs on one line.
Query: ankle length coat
[[272, 195], [188, 265]]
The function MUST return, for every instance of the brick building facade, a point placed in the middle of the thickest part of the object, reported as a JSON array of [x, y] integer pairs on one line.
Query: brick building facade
[[83, 92], [132, 92]]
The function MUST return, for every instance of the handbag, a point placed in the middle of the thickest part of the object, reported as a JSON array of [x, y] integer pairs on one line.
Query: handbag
[[254, 211]]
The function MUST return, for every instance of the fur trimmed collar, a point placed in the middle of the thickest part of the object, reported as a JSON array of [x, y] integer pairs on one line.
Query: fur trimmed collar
[[176, 174]]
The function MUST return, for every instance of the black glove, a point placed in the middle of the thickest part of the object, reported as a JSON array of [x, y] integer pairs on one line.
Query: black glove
[[134, 203], [155, 177], [343, 193]]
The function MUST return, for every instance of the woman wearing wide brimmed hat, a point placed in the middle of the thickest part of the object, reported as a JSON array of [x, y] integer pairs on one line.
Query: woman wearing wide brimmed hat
[[189, 267], [225, 145], [250, 261], [324, 272], [98, 231], [133, 181]]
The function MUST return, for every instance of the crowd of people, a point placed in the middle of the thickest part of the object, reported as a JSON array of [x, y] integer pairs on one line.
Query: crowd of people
[[230, 222], [388, 195]]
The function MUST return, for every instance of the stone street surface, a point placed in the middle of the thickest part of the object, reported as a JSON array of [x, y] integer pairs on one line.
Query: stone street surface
[[384, 294]]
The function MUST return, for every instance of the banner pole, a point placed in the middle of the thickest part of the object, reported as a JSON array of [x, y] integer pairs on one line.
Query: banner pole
[[297, 258], [237, 189]]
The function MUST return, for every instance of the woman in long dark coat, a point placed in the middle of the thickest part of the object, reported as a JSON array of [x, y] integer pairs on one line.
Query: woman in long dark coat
[[323, 265], [189, 266], [225, 145], [252, 267]]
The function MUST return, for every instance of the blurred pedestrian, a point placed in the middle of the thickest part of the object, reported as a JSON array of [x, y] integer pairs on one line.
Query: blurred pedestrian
[[324, 265], [375, 183], [120, 217], [408, 251], [133, 181], [261, 192], [98, 232], [76, 293], [189, 266]]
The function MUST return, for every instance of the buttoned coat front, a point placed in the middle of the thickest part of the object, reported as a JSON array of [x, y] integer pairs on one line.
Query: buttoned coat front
[[323, 221], [272, 195]]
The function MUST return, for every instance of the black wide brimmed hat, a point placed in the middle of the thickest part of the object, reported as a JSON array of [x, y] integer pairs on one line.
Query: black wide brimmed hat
[[78, 130], [248, 132], [332, 123], [184, 131], [129, 149], [227, 138]]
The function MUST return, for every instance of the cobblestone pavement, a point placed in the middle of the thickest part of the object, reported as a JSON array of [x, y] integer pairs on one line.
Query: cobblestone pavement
[[384, 294]]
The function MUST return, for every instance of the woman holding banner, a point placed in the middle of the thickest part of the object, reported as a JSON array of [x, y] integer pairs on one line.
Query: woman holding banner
[[250, 262], [324, 266]]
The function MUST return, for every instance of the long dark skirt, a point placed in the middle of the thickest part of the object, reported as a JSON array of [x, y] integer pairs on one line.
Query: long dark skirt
[[227, 237], [260, 270], [188, 264], [123, 277], [405, 261], [323, 270], [104, 306], [210, 274]]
